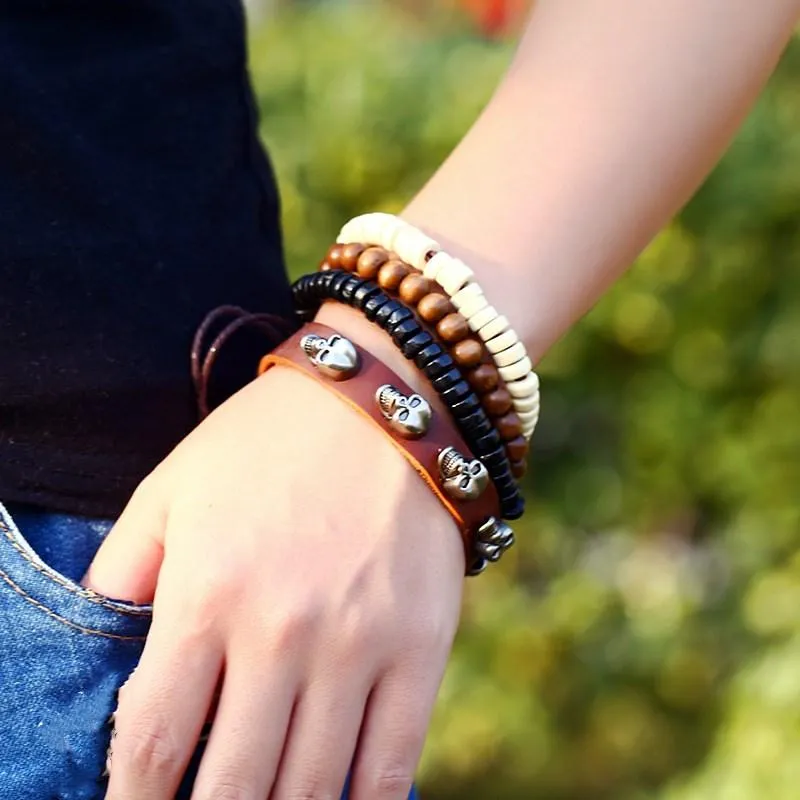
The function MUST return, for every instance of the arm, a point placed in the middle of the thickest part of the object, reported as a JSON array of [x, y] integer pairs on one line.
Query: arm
[[327, 619], [610, 116]]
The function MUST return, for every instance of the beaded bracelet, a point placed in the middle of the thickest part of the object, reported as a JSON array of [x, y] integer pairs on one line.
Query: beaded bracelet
[[466, 348], [457, 280], [419, 346]]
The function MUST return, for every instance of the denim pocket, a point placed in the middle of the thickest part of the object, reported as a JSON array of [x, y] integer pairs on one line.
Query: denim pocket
[[64, 653], [63, 600]]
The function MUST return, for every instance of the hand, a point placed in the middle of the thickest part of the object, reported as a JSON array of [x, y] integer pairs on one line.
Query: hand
[[300, 565]]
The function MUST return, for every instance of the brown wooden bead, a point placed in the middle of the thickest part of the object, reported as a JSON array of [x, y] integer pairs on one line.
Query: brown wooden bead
[[334, 257], [350, 255], [414, 287], [370, 261], [453, 328], [497, 403], [325, 266], [391, 274], [519, 468], [434, 307], [517, 448], [468, 353], [509, 426], [484, 378]]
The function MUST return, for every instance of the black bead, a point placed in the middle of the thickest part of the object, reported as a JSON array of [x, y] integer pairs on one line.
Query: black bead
[[437, 366], [412, 347], [302, 284], [349, 287], [513, 509], [319, 287], [476, 424], [485, 444], [340, 278], [302, 296], [456, 393], [386, 311], [427, 354], [506, 487], [401, 315], [495, 459], [364, 292], [403, 331], [375, 304], [447, 380], [463, 408]]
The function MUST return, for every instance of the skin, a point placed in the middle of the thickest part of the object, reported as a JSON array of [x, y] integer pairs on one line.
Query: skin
[[297, 564]]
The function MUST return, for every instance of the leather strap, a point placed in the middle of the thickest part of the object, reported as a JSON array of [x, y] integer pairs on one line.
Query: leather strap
[[359, 393]]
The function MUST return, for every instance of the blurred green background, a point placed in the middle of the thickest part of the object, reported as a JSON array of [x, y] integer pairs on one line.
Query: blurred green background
[[643, 640]]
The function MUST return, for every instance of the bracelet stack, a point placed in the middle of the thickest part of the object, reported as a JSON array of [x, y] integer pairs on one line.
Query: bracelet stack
[[427, 441], [438, 317], [416, 249]]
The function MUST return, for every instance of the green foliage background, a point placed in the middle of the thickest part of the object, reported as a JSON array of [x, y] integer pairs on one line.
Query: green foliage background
[[643, 640]]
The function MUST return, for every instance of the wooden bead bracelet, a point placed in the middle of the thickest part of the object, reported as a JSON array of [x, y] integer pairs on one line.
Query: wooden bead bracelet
[[434, 308], [439, 368], [457, 281]]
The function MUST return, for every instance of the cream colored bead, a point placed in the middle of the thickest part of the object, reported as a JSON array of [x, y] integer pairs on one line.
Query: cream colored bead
[[469, 299], [524, 386], [523, 404], [509, 356], [470, 290], [455, 276], [413, 245], [435, 265], [502, 341], [363, 228], [528, 417], [494, 328], [384, 229], [471, 305], [529, 426], [483, 317], [516, 371], [350, 232], [527, 430]]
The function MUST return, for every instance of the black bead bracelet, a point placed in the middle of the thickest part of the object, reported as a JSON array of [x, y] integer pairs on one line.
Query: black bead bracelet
[[417, 345]]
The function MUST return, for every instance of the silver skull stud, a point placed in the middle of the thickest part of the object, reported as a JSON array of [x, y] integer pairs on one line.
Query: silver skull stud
[[492, 539], [409, 415], [335, 356], [464, 479]]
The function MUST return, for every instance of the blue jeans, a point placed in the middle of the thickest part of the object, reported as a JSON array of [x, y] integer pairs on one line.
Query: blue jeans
[[64, 653]]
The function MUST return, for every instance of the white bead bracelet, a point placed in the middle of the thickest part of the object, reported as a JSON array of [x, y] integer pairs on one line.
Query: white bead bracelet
[[458, 282]]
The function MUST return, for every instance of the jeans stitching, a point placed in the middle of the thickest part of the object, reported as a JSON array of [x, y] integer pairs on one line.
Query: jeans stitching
[[86, 594], [50, 613]]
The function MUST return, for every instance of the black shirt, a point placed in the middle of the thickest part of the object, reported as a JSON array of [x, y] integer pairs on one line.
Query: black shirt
[[134, 197]]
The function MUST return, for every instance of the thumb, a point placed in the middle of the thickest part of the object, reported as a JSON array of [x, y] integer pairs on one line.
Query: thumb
[[127, 564]]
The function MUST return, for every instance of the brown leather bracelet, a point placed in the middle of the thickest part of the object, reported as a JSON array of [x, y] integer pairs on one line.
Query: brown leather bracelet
[[477, 519]]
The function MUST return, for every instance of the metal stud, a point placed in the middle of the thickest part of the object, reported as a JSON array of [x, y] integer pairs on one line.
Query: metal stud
[[409, 416], [335, 356], [492, 539], [464, 479]]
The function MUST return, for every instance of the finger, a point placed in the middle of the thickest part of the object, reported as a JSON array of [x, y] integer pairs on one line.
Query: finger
[[162, 709], [249, 730], [322, 739], [393, 734], [127, 564]]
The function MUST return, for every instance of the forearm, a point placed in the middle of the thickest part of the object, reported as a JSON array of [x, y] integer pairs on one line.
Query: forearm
[[611, 114]]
